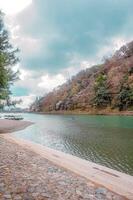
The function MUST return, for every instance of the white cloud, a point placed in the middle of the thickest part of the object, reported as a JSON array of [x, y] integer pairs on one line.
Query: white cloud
[[120, 41], [27, 80], [11, 7], [109, 49], [29, 46], [73, 70], [50, 82], [39, 84], [26, 100]]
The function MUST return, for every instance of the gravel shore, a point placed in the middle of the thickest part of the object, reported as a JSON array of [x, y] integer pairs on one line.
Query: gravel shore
[[25, 175]]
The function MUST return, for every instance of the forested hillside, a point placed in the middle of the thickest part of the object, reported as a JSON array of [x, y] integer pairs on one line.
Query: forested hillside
[[108, 86]]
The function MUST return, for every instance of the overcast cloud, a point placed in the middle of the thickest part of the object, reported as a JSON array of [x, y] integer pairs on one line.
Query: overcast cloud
[[59, 38]]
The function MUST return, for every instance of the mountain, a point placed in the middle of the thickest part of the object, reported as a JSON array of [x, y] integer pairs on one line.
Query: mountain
[[107, 87]]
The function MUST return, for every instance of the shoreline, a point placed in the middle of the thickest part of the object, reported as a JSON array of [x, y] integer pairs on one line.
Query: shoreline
[[118, 113], [110, 179], [26, 174], [9, 126]]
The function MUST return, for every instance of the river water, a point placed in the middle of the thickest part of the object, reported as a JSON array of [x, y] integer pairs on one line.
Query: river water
[[107, 140]]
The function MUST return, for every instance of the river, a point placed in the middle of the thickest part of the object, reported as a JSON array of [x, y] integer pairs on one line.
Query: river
[[106, 140]]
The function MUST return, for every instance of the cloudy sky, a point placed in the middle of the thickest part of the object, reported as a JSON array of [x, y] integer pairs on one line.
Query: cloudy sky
[[58, 38]]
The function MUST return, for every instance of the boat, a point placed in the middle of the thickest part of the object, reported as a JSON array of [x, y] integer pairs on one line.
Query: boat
[[13, 117]]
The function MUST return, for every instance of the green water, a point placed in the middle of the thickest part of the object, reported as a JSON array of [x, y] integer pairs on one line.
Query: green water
[[107, 140]]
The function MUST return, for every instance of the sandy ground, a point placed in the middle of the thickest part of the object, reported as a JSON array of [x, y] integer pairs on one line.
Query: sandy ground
[[7, 126]]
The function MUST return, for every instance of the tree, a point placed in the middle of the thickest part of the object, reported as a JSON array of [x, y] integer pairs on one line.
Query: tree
[[125, 96], [124, 52], [102, 95], [10, 102], [8, 58]]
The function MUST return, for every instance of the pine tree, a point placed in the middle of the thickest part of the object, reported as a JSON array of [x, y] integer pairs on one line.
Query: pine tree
[[8, 58], [102, 95]]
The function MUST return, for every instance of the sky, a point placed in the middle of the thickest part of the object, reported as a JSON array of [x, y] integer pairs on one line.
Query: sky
[[58, 38]]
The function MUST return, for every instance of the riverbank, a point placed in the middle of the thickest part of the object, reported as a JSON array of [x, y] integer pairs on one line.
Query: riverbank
[[26, 174], [30, 171], [92, 112], [8, 126]]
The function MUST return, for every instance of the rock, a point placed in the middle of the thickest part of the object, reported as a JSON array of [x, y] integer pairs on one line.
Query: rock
[[88, 196], [62, 182], [7, 196], [31, 189], [49, 182], [52, 170], [35, 194], [2, 185], [27, 197], [101, 191], [78, 192], [17, 197], [46, 195]]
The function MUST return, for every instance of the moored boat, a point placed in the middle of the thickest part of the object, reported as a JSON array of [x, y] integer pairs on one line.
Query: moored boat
[[13, 117]]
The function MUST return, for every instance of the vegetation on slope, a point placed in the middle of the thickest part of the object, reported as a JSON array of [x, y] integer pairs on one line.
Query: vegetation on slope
[[106, 86]]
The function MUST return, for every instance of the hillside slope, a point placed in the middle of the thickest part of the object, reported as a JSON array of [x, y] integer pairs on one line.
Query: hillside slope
[[108, 86]]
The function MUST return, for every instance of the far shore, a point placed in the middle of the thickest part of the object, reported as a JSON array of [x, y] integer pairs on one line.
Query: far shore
[[79, 112], [8, 126]]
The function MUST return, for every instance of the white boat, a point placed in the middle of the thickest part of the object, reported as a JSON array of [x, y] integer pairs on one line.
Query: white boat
[[13, 117]]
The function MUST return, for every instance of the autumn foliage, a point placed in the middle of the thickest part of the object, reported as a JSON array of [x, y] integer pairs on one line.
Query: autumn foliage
[[109, 85]]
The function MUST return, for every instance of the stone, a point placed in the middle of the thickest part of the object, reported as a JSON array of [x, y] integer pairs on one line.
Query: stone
[[2, 185], [35, 194], [102, 191], [7, 196], [17, 197], [88, 196], [32, 177], [45, 195], [78, 192]]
